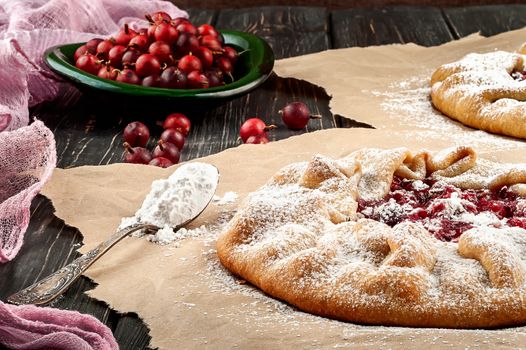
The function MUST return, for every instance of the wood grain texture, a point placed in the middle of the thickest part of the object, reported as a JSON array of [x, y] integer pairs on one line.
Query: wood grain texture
[[489, 20], [364, 27], [90, 132], [290, 31], [336, 4]]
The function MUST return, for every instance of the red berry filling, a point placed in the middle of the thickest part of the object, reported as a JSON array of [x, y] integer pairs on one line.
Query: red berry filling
[[518, 75], [445, 210]]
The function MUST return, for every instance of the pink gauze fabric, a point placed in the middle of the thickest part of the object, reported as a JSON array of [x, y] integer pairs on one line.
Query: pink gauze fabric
[[27, 29], [27, 158], [31, 327]]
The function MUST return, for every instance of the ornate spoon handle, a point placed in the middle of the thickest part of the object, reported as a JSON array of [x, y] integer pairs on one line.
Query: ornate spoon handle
[[52, 286]]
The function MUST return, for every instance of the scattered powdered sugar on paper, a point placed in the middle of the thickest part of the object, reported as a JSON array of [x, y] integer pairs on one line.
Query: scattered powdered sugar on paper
[[163, 236], [409, 101], [228, 197]]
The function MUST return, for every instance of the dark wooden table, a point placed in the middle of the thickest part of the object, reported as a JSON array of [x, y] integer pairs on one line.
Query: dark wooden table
[[90, 134]]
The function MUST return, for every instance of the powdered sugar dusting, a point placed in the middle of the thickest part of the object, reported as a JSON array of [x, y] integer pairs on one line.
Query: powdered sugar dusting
[[409, 102], [228, 197]]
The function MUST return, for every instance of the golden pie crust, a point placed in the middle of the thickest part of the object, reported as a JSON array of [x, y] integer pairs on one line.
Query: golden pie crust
[[299, 238], [480, 92]]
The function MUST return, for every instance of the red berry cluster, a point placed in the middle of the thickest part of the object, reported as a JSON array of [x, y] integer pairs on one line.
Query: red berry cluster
[[170, 53], [167, 152], [295, 115]]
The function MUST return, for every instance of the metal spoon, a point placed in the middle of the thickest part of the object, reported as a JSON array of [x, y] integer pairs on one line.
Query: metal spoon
[[52, 286]]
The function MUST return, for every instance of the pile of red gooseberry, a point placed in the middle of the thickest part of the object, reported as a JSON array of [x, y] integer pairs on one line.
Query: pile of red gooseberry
[[168, 150], [295, 115], [170, 53]]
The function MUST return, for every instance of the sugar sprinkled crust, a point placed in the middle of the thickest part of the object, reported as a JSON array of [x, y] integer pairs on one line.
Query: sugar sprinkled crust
[[480, 92], [299, 239]]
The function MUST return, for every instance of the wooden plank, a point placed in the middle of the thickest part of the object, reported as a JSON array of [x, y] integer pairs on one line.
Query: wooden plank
[[335, 4], [489, 20], [364, 27], [131, 332], [290, 31]]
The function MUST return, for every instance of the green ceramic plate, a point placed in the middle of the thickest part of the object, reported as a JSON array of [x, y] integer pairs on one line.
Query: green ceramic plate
[[251, 70]]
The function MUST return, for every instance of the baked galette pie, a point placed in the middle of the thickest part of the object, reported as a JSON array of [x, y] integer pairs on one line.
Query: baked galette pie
[[484, 91], [389, 237]]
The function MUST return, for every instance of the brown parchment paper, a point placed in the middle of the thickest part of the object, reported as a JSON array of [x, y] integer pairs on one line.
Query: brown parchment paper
[[180, 291]]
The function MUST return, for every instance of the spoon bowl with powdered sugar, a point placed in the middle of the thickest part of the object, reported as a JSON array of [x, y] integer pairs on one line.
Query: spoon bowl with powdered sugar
[[171, 204]]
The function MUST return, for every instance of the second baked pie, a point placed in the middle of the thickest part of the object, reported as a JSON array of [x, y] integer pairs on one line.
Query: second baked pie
[[484, 91], [389, 237]]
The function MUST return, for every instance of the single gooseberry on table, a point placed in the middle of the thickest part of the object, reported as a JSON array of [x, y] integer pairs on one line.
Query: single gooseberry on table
[[296, 115], [254, 127], [136, 155], [167, 150], [136, 134], [173, 136], [177, 121]]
